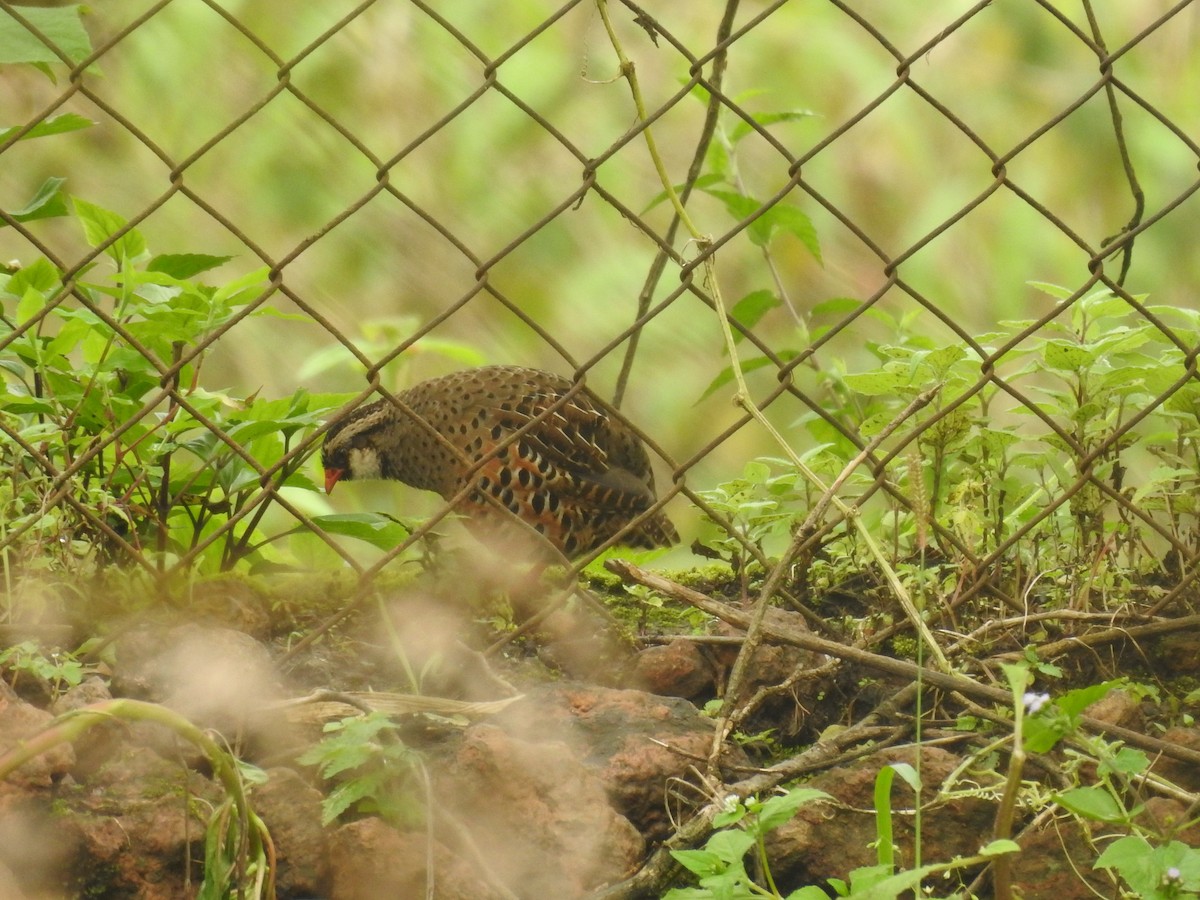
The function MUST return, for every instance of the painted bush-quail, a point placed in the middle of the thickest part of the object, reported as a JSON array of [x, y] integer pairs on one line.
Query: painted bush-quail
[[575, 474]]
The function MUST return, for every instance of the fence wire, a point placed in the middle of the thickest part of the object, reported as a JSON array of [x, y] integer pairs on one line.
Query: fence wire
[[432, 184]]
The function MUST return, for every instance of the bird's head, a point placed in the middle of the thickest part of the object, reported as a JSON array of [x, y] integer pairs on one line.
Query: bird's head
[[352, 448]]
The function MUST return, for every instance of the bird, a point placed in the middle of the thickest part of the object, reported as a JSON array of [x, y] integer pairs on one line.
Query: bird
[[510, 440]]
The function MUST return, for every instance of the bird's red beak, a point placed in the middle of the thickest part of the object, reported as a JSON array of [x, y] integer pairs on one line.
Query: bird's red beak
[[331, 478]]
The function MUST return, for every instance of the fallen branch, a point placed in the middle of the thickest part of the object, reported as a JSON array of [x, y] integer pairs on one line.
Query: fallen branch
[[787, 634]]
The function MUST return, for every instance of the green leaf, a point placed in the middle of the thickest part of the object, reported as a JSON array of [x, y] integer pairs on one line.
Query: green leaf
[[1041, 735], [780, 217], [873, 883], [699, 862], [943, 359], [778, 810], [185, 265], [346, 795], [701, 183], [730, 846], [749, 365], [54, 125], [743, 128], [39, 276], [62, 27], [876, 383], [836, 306], [909, 774], [69, 336], [1000, 847], [47, 203], [1103, 304], [1019, 678], [884, 851], [241, 291], [783, 217], [1056, 291], [1076, 701], [380, 531], [1093, 803], [31, 304], [1127, 761], [751, 308], [1153, 873], [1067, 357], [100, 224], [739, 206]]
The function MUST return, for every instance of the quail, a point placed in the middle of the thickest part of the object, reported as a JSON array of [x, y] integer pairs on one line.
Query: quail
[[565, 467]]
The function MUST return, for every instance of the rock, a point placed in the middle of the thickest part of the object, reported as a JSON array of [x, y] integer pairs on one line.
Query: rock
[[373, 861], [1056, 861], [1178, 654], [1186, 775], [774, 664], [1165, 817], [637, 743], [35, 849], [291, 809], [231, 601], [90, 690], [103, 739], [540, 818], [677, 669], [18, 722], [818, 844], [9, 889], [1118, 707], [132, 828]]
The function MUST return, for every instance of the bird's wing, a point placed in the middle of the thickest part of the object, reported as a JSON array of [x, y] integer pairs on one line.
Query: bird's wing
[[579, 439]]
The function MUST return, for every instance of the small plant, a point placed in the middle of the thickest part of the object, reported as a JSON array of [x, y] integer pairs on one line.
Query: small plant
[[743, 825], [1163, 872], [102, 399], [761, 506], [60, 670], [374, 770], [1153, 867], [1050, 487]]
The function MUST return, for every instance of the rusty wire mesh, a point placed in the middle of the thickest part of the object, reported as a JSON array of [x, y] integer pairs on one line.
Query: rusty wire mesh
[[483, 173]]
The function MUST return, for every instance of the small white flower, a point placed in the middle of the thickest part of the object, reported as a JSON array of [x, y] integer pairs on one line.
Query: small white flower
[[1034, 701], [1171, 875], [730, 803]]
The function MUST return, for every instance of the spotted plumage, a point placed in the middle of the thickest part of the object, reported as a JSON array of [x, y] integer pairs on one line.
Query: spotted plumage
[[575, 474]]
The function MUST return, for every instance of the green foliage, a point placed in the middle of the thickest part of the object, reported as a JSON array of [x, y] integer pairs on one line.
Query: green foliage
[[1165, 872], [1107, 407], [741, 826], [60, 670], [63, 27], [1049, 725], [102, 399], [758, 505], [1106, 775], [374, 770]]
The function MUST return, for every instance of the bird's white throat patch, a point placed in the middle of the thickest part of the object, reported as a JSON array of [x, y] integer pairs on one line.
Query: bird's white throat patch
[[364, 463]]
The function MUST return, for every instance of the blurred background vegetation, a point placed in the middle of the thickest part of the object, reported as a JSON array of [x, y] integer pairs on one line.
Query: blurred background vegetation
[[177, 74]]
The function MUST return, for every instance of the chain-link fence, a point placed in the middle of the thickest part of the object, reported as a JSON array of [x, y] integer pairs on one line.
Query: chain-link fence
[[899, 297], [950, 245]]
